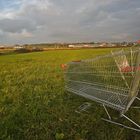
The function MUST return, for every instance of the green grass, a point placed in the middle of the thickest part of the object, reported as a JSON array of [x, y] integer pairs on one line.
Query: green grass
[[35, 106]]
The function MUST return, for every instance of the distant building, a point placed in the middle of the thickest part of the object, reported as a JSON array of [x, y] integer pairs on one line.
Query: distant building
[[138, 42], [80, 46], [112, 45], [75, 46], [18, 47], [1, 46], [95, 45], [71, 46], [103, 44]]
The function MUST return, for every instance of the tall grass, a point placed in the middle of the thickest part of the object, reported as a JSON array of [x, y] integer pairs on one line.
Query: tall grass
[[35, 105]]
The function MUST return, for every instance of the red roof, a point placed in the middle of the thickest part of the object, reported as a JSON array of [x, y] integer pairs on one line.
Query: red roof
[[138, 41]]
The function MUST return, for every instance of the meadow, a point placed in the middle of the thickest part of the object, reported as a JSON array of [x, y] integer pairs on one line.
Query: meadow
[[34, 104]]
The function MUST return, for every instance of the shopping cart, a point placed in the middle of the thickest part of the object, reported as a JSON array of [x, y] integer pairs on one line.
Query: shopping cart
[[112, 80]]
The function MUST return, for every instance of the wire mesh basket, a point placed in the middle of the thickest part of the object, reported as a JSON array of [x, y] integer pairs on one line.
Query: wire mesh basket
[[112, 80]]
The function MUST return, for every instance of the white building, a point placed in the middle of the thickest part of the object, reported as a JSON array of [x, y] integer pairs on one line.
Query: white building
[[18, 47]]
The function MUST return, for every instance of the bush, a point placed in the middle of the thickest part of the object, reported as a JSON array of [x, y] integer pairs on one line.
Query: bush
[[26, 50]]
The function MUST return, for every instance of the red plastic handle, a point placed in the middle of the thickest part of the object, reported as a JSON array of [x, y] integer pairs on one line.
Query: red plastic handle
[[63, 66]]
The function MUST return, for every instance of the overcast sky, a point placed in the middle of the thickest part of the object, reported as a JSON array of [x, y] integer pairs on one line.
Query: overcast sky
[[36, 21]]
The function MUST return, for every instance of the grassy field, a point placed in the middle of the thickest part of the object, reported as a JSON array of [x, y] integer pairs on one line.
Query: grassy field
[[35, 106]]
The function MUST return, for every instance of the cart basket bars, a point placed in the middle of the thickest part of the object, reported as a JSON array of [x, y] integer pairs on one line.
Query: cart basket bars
[[112, 80]]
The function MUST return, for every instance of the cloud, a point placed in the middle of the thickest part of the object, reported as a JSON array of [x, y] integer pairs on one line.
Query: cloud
[[17, 25], [69, 20], [22, 34]]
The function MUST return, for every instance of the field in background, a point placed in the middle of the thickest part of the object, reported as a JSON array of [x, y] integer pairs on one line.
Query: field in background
[[35, 105]]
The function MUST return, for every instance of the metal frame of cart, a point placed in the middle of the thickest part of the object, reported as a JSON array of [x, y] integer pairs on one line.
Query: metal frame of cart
[[112, 80]]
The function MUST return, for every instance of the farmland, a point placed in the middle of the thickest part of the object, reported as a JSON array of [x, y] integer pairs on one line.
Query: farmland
[[35, 106]]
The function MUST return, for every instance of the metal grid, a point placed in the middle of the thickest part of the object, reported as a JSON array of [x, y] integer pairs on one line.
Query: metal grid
[[112, 80]]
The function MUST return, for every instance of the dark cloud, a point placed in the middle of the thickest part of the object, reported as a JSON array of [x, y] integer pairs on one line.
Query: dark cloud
[[72, 20], [17, 25]]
